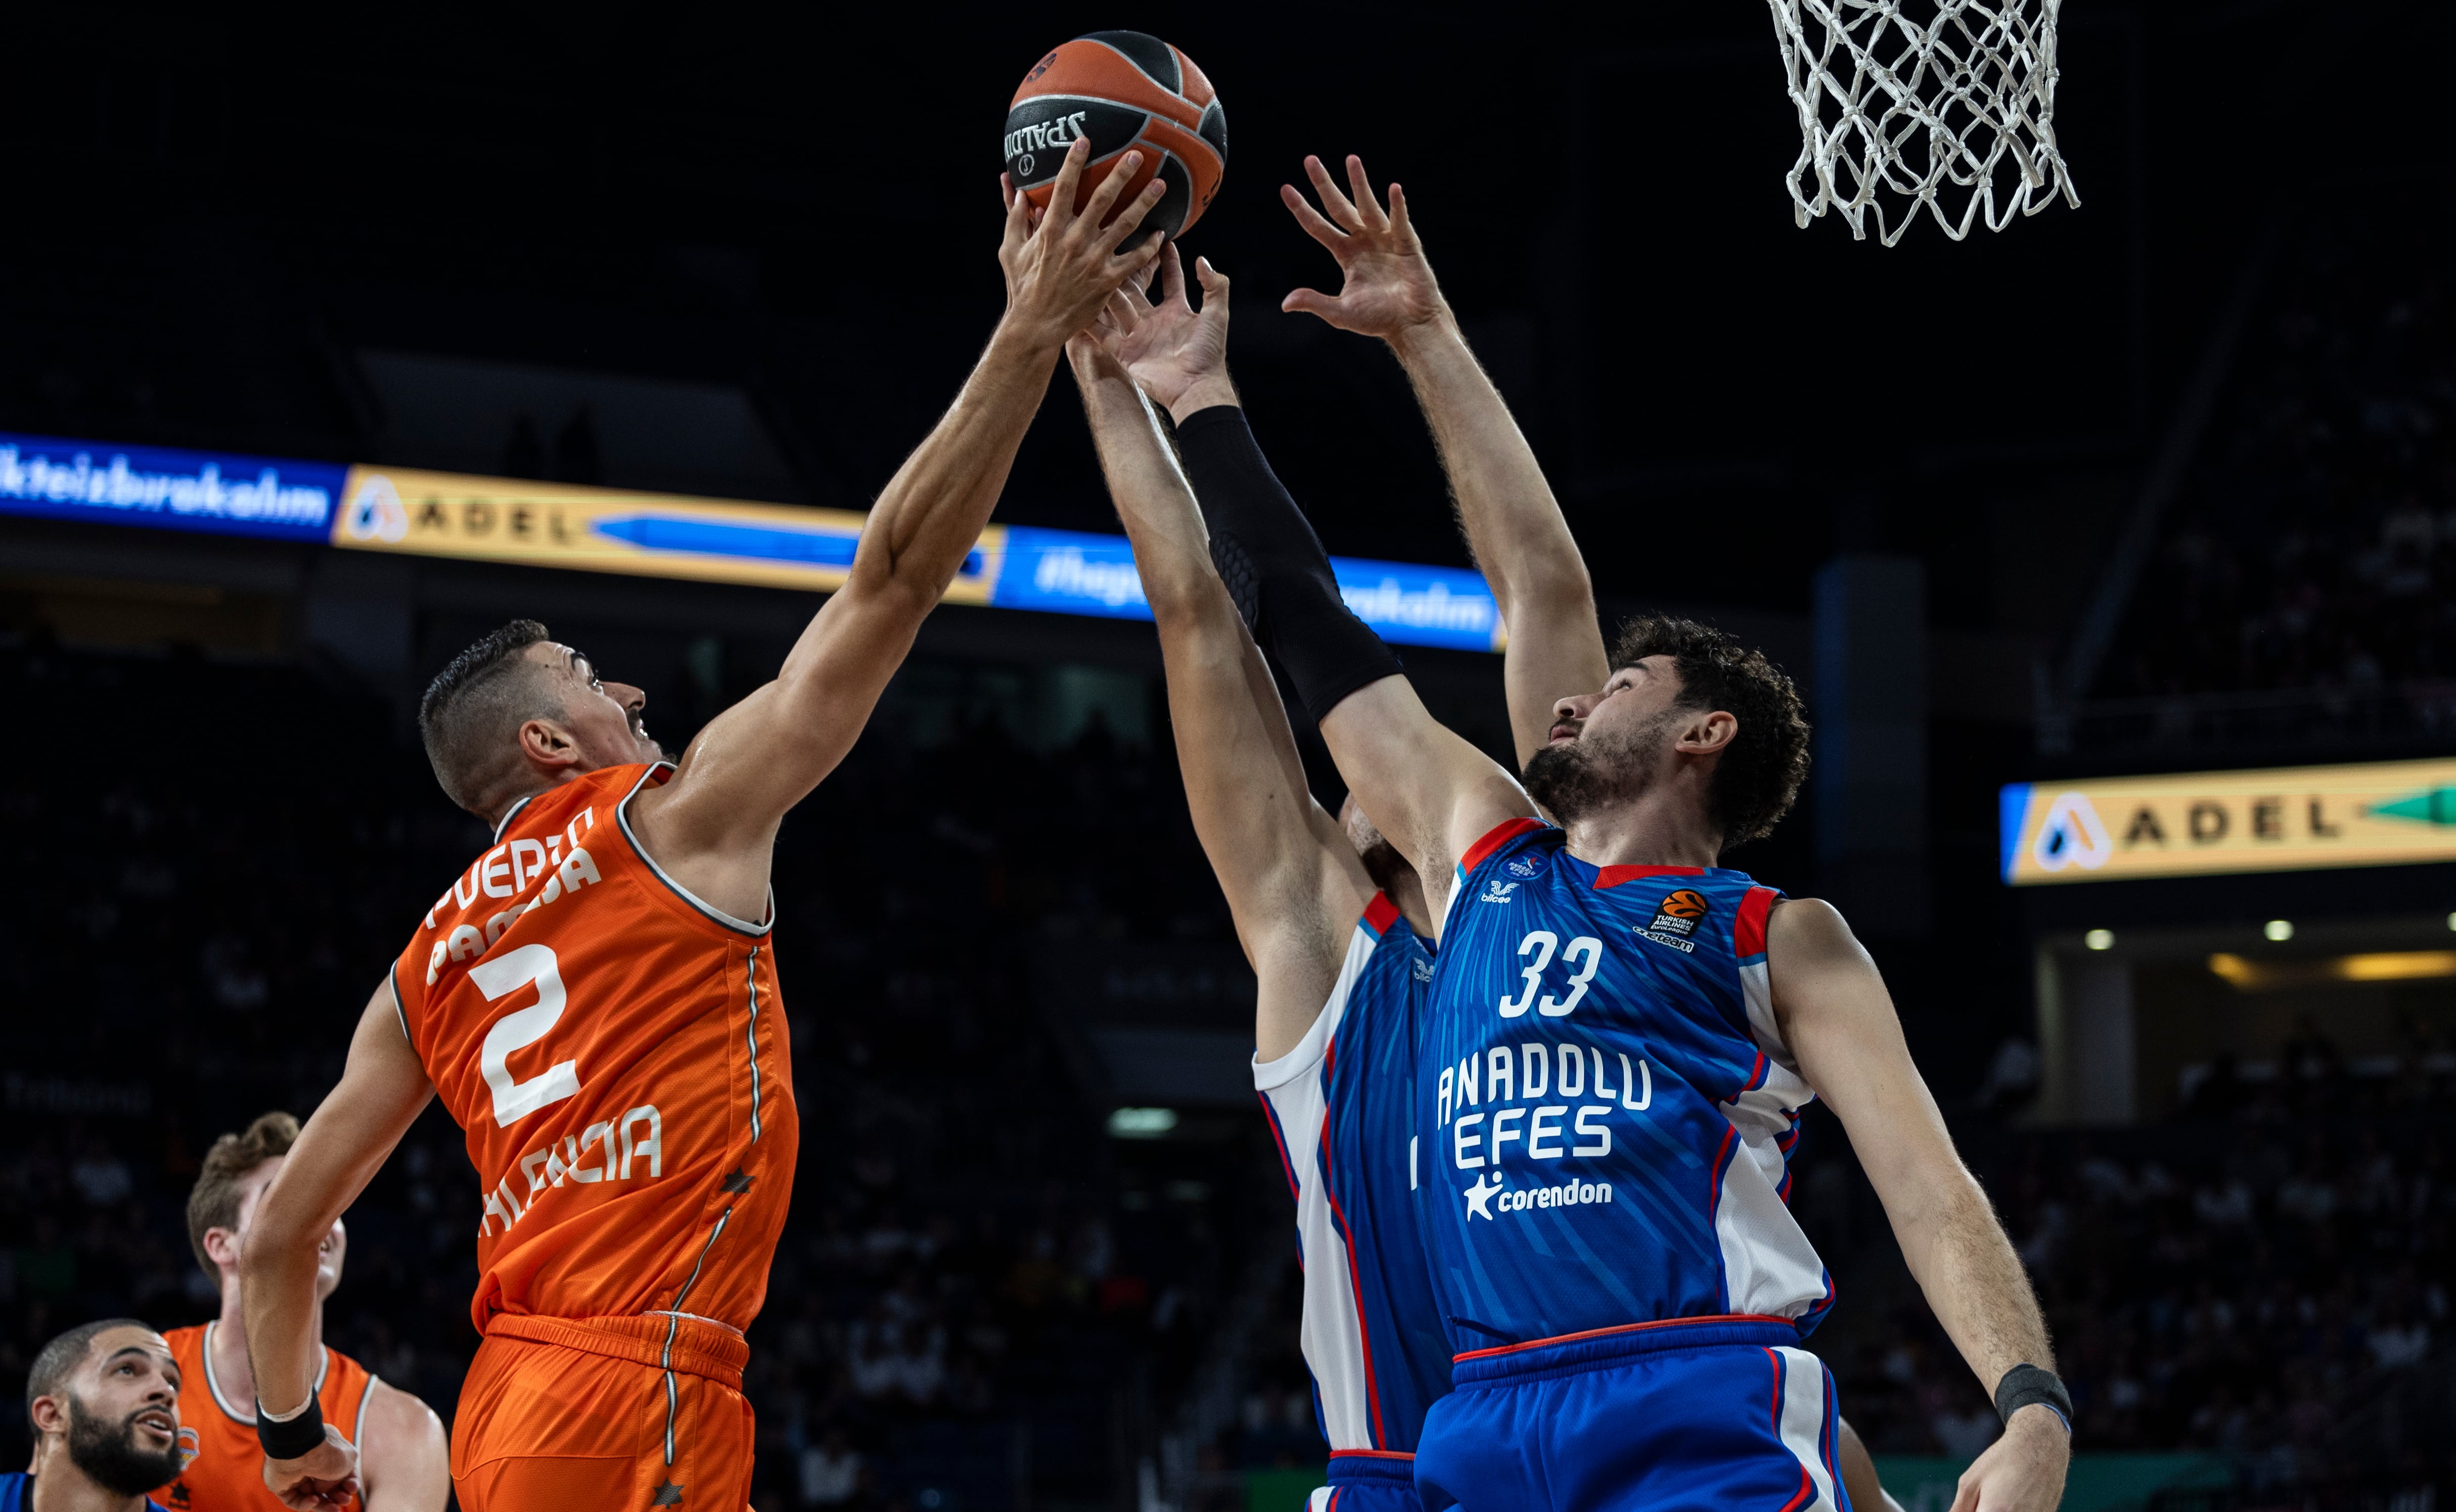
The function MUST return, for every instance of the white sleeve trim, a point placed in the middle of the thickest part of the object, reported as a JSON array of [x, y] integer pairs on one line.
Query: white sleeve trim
[[1269, 1075]]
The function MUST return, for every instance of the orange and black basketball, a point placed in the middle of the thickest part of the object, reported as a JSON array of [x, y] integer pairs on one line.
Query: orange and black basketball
[[1125, 90]]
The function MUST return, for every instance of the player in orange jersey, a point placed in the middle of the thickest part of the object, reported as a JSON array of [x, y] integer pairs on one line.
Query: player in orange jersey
[[595, 999], [403, 1465]]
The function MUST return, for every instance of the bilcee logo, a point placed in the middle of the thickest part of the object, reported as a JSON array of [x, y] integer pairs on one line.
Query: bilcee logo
[[376, 513], [1497, 892], [2073, 835]]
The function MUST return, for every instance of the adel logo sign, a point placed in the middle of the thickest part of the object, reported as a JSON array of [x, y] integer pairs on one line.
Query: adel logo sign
[[2199, 824], [2071, 836]]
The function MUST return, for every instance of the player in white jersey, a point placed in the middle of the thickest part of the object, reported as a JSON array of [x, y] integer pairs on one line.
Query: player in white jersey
[[1339, 966]]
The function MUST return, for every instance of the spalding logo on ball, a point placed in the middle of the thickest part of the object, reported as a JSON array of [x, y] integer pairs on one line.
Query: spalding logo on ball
[[1124, 90]]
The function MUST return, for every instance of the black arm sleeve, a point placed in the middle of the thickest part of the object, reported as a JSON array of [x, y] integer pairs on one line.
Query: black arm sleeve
[[1274, 564]]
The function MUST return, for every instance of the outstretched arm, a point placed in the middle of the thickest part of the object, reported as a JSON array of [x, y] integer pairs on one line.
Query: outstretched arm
[[1513, 524], [1837, 1018], [711, 826], [1430, 793], [345, 1142], [1294, 884]]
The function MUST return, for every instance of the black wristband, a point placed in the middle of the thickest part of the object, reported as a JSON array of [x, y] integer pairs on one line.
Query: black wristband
[[2026, 1385], [294, 1439]]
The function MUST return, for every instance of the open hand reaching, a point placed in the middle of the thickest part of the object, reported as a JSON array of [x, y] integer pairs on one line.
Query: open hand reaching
[[1177, 353], [1389, 286]]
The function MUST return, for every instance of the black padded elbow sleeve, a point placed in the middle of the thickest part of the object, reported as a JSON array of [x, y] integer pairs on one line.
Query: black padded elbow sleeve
[[1274, 564]]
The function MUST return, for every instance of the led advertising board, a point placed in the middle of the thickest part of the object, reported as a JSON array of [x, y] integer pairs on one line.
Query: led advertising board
[[372, 508], [612, 531], [168, 487], [2283, 819]]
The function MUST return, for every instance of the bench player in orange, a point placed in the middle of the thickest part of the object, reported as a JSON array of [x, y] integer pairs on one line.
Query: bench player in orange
[[403, 1463], [596, 1002]]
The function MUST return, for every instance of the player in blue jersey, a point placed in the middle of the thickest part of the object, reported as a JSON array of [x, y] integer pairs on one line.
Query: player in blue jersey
[[1338, 963], [104, 1401], [1620, 1032]]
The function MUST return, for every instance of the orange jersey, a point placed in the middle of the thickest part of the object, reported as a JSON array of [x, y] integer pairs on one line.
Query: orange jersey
[[615, 1049], [221, 1464]]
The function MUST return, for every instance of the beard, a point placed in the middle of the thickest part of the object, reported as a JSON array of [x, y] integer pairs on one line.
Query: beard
[[1586, 776], [109, 1455]]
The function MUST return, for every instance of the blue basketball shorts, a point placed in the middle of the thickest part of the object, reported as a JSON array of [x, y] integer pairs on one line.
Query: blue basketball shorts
[[1703, 1414], [1368, 1480]]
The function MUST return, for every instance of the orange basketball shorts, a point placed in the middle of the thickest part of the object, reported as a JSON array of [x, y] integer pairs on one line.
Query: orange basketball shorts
[[609, 1414]]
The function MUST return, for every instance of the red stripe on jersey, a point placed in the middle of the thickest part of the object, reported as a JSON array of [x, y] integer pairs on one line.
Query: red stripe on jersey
[[1498, 836], [1614, 876], [1748, 928], [1379, 914], [1370, 1454], [1288, 1166], [1625, 1328], [1347, 1242]]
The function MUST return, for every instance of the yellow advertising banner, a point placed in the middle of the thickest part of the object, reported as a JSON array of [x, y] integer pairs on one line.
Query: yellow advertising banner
[[2285, 819], [614, 530]]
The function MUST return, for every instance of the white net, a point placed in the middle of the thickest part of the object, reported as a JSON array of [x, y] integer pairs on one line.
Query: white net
[[1955, 112]]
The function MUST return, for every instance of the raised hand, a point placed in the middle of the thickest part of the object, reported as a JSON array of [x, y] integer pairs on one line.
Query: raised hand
[[1062, 264], [1389, 286], [1177, 353]]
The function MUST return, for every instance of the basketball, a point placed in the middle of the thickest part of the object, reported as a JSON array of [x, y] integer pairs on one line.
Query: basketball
[[1125, 90]]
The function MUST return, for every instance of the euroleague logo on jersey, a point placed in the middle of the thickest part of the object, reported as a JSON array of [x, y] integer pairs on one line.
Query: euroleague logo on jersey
[[1675, 920]]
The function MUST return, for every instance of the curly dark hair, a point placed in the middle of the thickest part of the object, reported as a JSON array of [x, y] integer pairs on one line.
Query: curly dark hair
[[1759, 775]]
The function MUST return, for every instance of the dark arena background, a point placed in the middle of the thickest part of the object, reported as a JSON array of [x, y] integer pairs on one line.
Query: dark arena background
[[2152, 501]]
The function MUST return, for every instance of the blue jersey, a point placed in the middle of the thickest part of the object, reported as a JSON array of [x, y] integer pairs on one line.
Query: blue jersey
[[1606, 1105], [1340, 1106], [17, 1494]]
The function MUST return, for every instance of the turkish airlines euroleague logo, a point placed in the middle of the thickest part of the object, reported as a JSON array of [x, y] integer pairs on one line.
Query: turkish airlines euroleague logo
[[1675, 920], [1678, 914]]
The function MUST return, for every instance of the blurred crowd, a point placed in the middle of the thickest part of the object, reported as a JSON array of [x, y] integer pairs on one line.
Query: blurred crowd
[[2249, 1277], [2314, 547]]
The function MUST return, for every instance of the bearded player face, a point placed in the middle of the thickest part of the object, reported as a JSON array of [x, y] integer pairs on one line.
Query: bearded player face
[[1608, 749], [131, 1454], [123, 1412]]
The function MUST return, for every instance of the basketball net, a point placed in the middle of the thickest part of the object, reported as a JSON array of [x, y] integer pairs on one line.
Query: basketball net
[[1894, 112]]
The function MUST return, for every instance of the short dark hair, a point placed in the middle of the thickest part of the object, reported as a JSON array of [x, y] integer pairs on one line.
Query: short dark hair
[[62, 1356], [212, 1203], [1759, 775], [475, 706]]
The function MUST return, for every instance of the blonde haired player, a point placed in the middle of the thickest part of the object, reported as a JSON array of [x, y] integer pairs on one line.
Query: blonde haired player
[[404, 1462], [596, 1002]]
